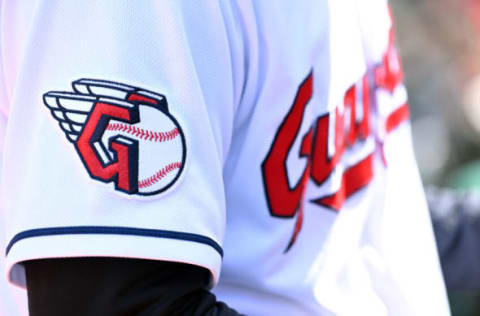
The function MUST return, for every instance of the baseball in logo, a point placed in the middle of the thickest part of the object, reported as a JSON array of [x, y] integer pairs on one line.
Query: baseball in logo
[[123, 134]]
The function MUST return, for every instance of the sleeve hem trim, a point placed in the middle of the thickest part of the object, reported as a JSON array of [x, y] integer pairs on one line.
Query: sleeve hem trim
[[113, 230]]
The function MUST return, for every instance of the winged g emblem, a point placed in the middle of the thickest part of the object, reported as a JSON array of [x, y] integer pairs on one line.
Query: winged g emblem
[[123, 134]]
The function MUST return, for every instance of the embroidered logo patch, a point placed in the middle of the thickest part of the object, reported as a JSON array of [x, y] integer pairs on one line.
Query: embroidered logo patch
[[123, 134]]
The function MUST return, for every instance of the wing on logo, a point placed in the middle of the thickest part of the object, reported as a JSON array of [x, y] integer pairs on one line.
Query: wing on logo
[[71, 109]]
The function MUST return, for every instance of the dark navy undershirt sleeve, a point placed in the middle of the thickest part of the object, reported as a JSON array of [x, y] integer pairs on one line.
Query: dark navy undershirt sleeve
[[119, 287]]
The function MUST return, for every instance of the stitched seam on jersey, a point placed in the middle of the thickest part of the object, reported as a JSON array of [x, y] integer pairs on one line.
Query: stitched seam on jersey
[[159, 175], [112, 230], [144, 134]]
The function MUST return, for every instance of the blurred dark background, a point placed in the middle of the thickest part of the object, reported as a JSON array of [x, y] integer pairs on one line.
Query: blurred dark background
[[439, 41]]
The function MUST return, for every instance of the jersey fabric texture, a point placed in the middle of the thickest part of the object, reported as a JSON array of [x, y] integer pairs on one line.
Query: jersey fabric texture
[[265, 141]]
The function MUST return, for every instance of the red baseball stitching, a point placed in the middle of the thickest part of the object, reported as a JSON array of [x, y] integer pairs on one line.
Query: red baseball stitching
[[143, 133], [159, 175]]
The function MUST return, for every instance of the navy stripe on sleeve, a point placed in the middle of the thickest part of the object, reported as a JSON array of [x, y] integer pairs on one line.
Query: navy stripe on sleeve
[[112, 230]]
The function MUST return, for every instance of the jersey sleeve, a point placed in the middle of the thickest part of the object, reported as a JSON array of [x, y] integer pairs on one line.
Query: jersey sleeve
[[13, 301], [117, 133]]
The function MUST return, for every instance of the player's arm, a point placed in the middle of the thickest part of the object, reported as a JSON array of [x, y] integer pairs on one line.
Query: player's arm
[[116, 286], [136, 105]]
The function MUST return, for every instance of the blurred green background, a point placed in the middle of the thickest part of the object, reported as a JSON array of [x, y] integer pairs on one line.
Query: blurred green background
[[439, 41]]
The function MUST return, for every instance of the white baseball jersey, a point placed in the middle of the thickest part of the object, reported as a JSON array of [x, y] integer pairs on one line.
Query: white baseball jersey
[[267, 141]]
